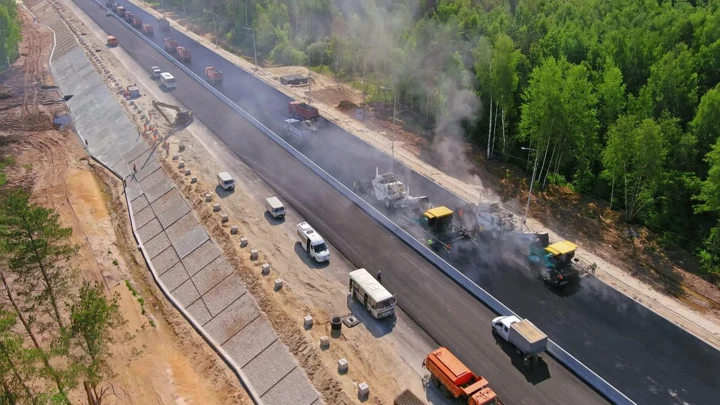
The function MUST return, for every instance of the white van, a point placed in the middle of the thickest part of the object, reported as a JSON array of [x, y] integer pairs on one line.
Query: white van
[[312, 242], [167, 80], [274, 207], [375, 298], [225, 181]]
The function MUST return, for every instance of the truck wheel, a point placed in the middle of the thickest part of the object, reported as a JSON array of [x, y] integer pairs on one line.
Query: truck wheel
[[444, 391], [434, 381]]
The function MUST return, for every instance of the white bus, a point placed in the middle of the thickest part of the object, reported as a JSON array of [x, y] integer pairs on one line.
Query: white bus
[[374, 297]]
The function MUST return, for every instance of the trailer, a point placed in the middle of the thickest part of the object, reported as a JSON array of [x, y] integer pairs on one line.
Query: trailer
[[390, 189], [528, 340], [457, 381], [295, 132], [184, 54]]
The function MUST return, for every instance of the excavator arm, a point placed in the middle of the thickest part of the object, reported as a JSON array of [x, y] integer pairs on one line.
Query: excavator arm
[[181, 117]]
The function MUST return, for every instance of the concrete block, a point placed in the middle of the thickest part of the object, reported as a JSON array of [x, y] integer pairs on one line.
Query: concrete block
[[181, 165], [233, 230], [278, 283], [307, 321], [188, 172], [208, 197], [193, 180], [216, 207], [181, 147], [224, 217], [342, 366], [363, 390], [324, 342], [243, 242], [265, 269], [176, 157], [254, 254]]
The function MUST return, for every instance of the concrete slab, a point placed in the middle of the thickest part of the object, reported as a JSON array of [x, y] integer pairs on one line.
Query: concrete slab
[[138, 203], [150, 180], [175, 276], [269, 367], [144, 216], [132, 189], [203, 255], [198, 311], [249, 342], [293, 389], [186, 294], [232, 319], [173, 212], [212, 274], [181, 226], [165, 260], [136, 151], [159, 189], [149, 230], [190, 241], [156, 245], [223, 294], [146, 168]]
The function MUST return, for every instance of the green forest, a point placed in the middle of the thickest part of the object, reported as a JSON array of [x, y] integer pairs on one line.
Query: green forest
[[9, 33], [616, 98]]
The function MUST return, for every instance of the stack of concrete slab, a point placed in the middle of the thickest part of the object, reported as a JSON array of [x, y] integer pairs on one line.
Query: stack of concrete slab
[[187, 264]]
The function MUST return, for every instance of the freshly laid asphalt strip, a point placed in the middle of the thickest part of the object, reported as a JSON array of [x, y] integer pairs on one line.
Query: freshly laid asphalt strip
[[440, 307], [628, 345]]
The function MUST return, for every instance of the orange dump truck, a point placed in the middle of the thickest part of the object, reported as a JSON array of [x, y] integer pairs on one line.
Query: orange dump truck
[[457, 381], [147, 29], [184, 54], [170, 45]]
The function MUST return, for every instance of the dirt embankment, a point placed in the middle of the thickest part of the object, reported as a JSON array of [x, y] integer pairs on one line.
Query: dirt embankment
[[158, 358]]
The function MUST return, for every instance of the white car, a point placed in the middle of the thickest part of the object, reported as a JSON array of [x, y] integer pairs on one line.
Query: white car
[[156, 72]]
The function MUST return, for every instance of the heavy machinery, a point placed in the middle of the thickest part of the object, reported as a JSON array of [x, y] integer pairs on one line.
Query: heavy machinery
[[391, 190], [557, 261], [184, 54], [441, 229], [137, 22], [120, 10], [295, 132], [132, 92], [528, 340], [456, 380], [129, 17], [170, 45], [182, 118], [213, 75], [147, 29], [164, 25]]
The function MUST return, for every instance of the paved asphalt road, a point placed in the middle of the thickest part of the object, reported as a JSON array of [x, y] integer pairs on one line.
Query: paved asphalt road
[[649, 359]]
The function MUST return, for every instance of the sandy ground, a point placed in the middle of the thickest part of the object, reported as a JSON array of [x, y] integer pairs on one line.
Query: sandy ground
[[388, 362], [158, 358], [697, 310]]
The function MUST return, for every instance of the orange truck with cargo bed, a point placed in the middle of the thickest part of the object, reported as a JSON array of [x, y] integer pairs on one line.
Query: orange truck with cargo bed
[[170, 45], [457, 381], [184, 54]]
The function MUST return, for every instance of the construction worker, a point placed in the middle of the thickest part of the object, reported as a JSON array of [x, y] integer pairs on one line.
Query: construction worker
[[430, 242]]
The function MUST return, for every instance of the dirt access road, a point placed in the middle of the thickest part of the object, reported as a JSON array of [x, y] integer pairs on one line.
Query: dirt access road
[[388, 362], [164, 361], [697, 310]]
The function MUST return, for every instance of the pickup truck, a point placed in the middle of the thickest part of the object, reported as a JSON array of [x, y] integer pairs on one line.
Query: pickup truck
[[528, 340]]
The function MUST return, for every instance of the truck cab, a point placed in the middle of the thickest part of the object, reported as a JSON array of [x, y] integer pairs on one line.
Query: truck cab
[[295, 132], [312, 242]]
